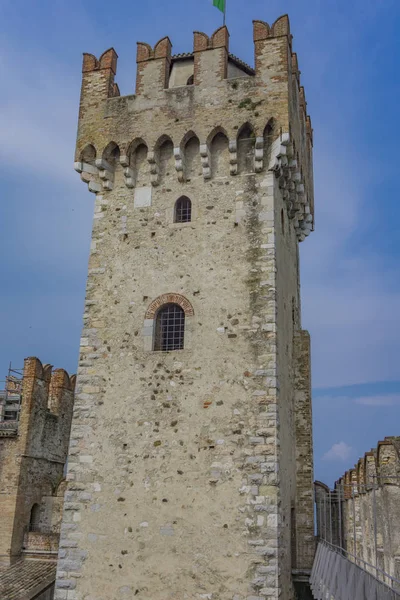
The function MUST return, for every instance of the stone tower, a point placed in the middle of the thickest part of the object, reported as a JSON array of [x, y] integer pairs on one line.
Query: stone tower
[[33, 451], [190, 465]]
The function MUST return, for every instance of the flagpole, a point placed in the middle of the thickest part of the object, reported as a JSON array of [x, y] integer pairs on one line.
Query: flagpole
[[225, 12]]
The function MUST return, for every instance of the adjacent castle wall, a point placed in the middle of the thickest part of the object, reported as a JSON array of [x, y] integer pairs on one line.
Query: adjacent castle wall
[[183, 469], [32, 462], [369, 513]]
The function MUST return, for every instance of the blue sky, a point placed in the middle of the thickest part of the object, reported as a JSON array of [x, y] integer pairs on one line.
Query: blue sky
[[349, 54]]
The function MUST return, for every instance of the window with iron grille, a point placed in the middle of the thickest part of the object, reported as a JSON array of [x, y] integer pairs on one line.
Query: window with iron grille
[[183, 210], [169, 328]]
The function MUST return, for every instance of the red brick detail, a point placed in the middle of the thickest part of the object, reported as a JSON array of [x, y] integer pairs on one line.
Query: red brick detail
[[104, 71], [47, 370], [163, 48], [220, 38], [261, 31], [218, 41], [201, 41], [60, 379], [108, 60], [169, 299], [33, 368], [281, 26], [144, 52], [90, 63]]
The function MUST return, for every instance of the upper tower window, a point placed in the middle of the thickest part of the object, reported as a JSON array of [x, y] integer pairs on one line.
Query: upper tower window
[[219, 147], [169, 328], [183, 210], [245, 151]]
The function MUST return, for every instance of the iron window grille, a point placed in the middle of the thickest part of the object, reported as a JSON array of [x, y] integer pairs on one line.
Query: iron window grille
[[183, 210], [169, 328]]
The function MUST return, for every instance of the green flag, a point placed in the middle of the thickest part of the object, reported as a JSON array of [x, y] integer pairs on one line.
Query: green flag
[[220, 4]]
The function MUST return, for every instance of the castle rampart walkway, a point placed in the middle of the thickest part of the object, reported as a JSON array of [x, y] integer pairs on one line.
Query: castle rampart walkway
[[358, 528], [337, 575]]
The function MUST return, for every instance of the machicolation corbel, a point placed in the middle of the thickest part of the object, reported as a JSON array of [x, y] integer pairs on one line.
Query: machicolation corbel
[[106, 173], [259, 154], [205, 160], [233, 160], [179, 164], [129, 175], [154, 170], [285, 166]]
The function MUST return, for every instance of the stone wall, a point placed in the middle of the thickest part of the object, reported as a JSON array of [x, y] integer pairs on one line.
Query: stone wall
[[367, 523], [46, 595], [183, 469], [32, 460]]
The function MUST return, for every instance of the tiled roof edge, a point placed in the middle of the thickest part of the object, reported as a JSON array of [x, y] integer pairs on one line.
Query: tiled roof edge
[[232, 57]]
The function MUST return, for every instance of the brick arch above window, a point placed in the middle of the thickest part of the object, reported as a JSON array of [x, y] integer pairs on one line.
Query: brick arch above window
[[170, 299]]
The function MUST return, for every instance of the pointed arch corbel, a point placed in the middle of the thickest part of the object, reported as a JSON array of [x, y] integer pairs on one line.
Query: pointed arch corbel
[[86, 167]]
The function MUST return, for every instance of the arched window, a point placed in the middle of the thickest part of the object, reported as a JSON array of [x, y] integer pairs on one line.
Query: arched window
[[219, 155], [169, 328], [165, 158], [183, 210], [245, 149], [192, 158], [35, 518]]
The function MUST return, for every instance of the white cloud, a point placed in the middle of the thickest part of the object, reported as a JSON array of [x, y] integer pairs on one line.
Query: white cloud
[[339, 451], [382, 400]]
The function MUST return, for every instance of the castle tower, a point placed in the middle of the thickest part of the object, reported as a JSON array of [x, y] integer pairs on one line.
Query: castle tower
[[190, 466], [33, 452]]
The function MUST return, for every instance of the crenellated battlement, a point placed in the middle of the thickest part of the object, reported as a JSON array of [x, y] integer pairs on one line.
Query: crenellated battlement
[[263, 30], [197, 95], [378, 467], [360, 513], [56, 386], [107, 61], [46, 399]]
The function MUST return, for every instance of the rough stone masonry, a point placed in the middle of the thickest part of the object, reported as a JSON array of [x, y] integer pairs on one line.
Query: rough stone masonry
[[190, 469]]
